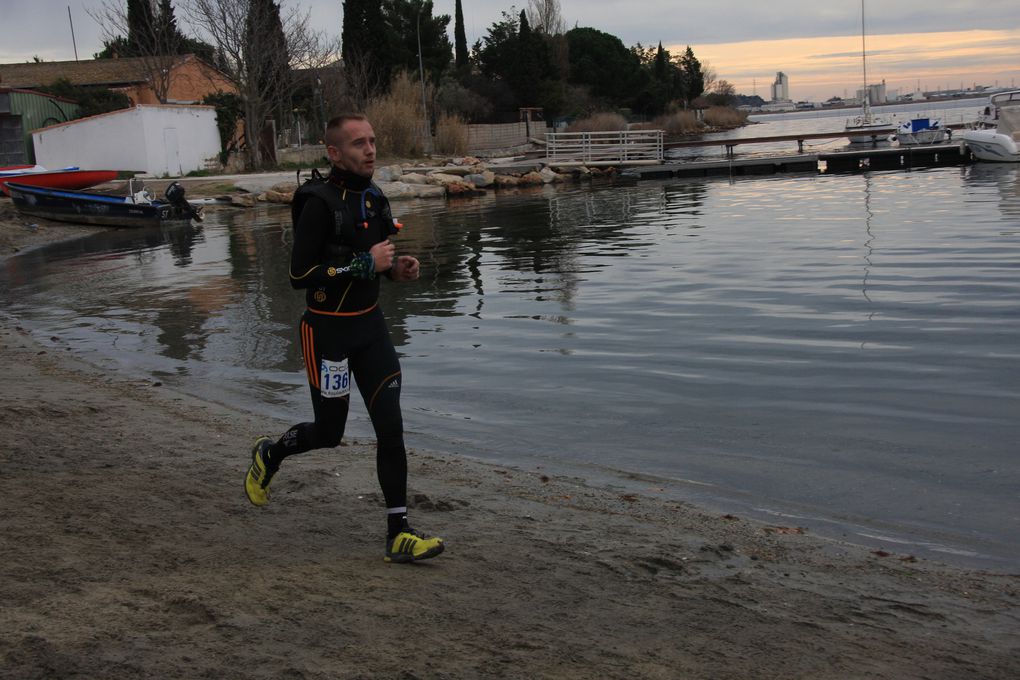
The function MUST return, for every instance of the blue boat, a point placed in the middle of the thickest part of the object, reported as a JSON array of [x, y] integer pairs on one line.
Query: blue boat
[[82, 207]]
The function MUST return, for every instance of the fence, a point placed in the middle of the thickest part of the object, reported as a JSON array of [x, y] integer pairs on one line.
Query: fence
[[621, 146]]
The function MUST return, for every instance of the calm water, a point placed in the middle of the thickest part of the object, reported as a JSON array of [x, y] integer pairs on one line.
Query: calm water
[[838, 352]]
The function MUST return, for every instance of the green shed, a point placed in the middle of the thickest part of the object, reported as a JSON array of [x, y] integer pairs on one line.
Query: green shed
[[22, 112]]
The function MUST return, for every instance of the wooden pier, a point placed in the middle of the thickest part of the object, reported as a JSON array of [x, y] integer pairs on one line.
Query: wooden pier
[[856, 160]]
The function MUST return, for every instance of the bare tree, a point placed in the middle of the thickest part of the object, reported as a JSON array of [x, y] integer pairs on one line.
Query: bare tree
[[235, 30], [544, 16], [155, 42]]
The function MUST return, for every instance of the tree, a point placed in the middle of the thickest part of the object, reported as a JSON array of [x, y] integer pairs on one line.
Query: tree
[[364, 47], [600, 62], [230, 25], [149, 38], [459, 39], [91, 101], [545, 17], [693, 78], [141, 27], [409, 22]]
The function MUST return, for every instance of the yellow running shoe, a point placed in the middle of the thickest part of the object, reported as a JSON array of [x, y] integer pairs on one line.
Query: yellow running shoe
[[256, 480], [411, 546]]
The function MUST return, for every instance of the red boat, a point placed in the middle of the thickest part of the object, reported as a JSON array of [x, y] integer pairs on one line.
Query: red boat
[[56, 179]]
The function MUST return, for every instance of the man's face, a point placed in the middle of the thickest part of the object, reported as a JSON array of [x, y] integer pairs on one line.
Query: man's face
[[353, 148]]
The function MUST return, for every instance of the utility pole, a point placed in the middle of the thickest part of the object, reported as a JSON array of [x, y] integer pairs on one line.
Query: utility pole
[[73, 42], [421, 74]]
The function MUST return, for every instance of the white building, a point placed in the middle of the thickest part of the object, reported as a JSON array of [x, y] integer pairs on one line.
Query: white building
[[876, 94], [781, 88], [157, 140]]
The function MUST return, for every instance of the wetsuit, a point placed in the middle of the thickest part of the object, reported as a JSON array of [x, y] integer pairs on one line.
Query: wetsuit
[[343, 331]]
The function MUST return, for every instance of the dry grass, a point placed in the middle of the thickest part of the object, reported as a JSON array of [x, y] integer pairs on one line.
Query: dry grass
[[451, 135], [397, 118], [725, 117], [678, 123], [600, 122]]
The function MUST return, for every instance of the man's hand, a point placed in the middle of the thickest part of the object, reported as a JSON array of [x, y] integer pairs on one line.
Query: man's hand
[[405, 268], [382, 253]]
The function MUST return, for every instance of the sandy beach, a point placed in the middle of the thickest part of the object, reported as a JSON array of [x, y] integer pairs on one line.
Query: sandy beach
[[130, 551]]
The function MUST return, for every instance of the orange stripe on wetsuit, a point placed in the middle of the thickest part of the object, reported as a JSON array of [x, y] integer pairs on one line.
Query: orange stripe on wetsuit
[[308, 348]]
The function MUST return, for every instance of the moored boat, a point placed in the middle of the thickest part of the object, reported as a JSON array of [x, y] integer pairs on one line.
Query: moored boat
[[918, 131], [867, 128], [82, 207], [1002, 142], [58, 179]]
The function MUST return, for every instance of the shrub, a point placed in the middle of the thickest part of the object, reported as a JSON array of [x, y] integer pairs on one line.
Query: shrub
[[451, 135], [599, 122], [674, 124], [725, 117], [397, 118]]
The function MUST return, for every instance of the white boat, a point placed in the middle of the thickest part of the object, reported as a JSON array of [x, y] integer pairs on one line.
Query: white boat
[[867, 128], [1001, 142], [917, 131]]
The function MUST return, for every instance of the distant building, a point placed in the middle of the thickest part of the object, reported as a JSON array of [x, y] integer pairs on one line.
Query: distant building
[[781, 88], [21, 112], [876, 94]]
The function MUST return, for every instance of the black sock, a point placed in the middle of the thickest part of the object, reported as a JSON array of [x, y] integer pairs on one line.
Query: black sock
[[396, 521]]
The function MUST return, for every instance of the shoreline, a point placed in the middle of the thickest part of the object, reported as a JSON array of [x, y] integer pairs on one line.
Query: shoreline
[[129, 546]]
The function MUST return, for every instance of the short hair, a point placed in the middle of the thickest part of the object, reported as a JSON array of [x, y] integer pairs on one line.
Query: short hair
[[337, 122]]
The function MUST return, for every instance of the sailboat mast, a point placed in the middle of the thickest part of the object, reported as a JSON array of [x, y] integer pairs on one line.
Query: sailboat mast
[[864, 64]]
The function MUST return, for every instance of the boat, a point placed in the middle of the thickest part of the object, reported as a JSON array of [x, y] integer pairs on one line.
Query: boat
[[867, 128], [918, 131], [1000, 139], [138, 209], [68, 178]]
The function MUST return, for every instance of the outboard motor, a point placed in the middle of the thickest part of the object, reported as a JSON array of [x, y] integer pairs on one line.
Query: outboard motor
[[175, 196]]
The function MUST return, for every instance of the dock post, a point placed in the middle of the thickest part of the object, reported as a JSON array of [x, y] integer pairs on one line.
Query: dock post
[[800, 146]]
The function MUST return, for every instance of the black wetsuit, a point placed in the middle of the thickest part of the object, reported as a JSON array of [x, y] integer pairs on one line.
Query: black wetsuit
[[336, 223]]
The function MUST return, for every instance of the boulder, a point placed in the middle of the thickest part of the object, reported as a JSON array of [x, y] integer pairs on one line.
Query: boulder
[[481, 179], [414, 178], [532, 178], [444, 179], [548, 176], [388, 173], [243, 200], [279, 196]]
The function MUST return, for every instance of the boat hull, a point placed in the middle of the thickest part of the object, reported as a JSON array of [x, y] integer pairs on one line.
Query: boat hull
[[59, 179], [862, 131], [990, 145], [86, 208]]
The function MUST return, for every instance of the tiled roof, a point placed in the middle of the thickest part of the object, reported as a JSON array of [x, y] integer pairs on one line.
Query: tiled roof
[[108, 72]]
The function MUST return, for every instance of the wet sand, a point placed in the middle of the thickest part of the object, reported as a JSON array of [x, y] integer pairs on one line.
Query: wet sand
[[129, 550]]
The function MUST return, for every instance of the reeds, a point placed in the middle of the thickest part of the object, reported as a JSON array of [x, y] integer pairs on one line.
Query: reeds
[[599, 122], [397, 118], [451, 135], [725, 117]]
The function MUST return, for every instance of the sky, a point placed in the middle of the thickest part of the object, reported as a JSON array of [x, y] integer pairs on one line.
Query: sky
[[911, 44]]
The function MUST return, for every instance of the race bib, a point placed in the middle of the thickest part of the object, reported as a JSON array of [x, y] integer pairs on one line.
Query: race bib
[[334, 379]]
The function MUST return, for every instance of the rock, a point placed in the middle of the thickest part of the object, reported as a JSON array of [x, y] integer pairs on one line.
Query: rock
[[389, 173], [454, 170], [532, 178], [279, 196], [283, 188], [243, 200], [507, 181], [548, 176], [444, 179], [481, 179], [414, 178]]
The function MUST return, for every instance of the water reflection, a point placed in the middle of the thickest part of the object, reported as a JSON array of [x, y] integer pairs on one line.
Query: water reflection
[[834, 343]]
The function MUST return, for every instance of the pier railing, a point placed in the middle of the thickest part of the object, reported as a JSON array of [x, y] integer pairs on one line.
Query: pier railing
[[604, 148]]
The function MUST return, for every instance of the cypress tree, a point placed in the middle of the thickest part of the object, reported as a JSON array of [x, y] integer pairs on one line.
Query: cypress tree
[[459, 39]]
